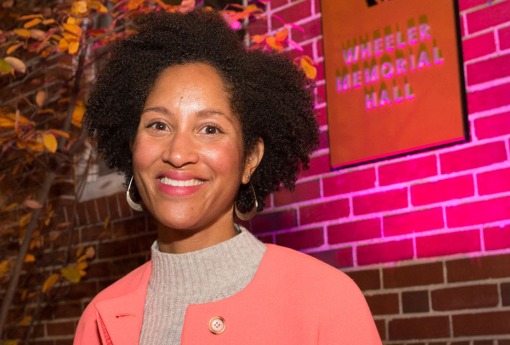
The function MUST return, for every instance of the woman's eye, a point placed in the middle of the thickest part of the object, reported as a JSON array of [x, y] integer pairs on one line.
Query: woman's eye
[[210, 130], [160, 126]]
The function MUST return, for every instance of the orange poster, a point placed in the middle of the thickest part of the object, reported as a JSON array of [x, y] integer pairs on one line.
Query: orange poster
[[394, 81]]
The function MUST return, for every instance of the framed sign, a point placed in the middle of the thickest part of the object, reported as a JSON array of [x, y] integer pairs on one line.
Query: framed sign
[[394, 78]]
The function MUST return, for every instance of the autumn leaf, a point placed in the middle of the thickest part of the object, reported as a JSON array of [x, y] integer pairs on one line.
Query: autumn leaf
[[63, 45], [90, 252], [25, 321], [37, 34], [11, 342], [5, 68], [40, 98], [282, 35], [308, 68], [273, 43], [30, 16], [29, 258], [79, 8], [50, 142], [12, 48], [71, 273], [4, 268], [31, 203], [24, 219], [73, 47], [32, 23], [22, 32], [96, 5], [16, 64], [78, 112], [73, 28], [258, 38], [50, 282]]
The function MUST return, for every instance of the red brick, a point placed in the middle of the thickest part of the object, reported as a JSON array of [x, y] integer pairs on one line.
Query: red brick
[[465, 297], [321, 116], [473, 157], [448, 244], [323, 140], [408, 170], [413, 275], [303, 191], [309, 30], [480, 212], [320, 49], [324, 211], [431, 327], [349, 181], [277, 3], [258, 27], [266, 238], [415, 302], [366, 279], [60, 328], [478, 46], [497, 237], [493, 15], [412, 222], [320, 72], [481, 324], [504, 37], [496, 181], [466, 4], [265, 222], [383, 304], [340, 258], [385, 252], [354, 231], [318, 165], [129, 227], [381, 201], [489, 98], [482, 268], [301, 239], [487, 70], [292, 14], [492, 126], [320, 94]]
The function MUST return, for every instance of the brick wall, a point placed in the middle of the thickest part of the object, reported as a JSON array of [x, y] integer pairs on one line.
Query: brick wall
[[426, 237]]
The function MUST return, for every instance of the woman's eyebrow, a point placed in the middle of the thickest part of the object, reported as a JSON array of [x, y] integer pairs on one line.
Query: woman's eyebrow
[[157, 109]]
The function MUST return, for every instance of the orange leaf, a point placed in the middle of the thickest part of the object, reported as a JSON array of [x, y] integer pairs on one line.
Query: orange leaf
[[29, 258], [50, 282], [40, 98], [90, 252], [79, 8], [258, 38], [48, 21], [24, 219], [73, 47], [308, 68], [58, 132], [16, 63], [273, 43], [50, 142], [25, 321], [71, 273], [78, 112], [32, 23], [30, 16], [73, 28], [96, 5], [22, 32], [63, 45], [13, 48], [4, 267], [282, 35], [6, 123]]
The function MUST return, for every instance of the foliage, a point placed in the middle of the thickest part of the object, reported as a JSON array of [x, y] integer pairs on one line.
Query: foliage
[[49, 54]]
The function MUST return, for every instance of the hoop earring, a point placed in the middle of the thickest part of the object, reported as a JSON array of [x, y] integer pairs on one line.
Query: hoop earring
[[248, 215], [135, 206]]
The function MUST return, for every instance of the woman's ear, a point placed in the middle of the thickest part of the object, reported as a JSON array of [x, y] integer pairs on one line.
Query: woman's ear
[[252, 161]]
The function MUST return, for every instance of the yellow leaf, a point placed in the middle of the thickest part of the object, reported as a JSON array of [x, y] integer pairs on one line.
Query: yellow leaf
[[73, 47], [82, 258], [48, 21], [6, 123], [71, 273], [16, 63], [32, 23], [96, 5], [50, 282], [25, 321], [79, 8], [78, 112], [90, 252], [59, 133], [106, 222], [50, 142], [282, 35], [73, 28], [81, 266], [10, 342], [79, 251], [308, 68], [29, 258], [4, 267], [63, 45], [5, 68], [31, 203], [10, 207], [13, 48], [40, 98], [22, 32], [71, 20], [252, 9]]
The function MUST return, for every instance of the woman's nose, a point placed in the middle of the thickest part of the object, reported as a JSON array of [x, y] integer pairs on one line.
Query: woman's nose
[[181, 149]]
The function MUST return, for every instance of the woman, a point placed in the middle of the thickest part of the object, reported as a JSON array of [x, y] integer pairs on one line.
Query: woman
[[203, 129]]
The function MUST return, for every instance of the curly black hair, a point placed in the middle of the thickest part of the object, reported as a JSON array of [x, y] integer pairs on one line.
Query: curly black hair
[[273, 99]]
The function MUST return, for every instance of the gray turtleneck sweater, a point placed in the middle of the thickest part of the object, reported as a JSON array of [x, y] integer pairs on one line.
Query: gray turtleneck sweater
[[203, 276]]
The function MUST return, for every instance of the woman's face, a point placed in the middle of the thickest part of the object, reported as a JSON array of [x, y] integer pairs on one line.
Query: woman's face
[[188, 157]]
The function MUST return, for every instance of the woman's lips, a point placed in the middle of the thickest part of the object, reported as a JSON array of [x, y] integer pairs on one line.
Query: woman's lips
[[180, 183], [181, 186]]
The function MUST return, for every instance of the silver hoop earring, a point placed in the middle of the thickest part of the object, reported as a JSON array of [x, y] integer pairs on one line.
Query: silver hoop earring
[[135, 206], [248, 215]]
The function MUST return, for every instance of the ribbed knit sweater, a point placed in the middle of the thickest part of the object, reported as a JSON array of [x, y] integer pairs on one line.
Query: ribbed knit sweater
[[207, 275]]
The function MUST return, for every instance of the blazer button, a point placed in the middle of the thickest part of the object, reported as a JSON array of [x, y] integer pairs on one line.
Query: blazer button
[[217, 325]]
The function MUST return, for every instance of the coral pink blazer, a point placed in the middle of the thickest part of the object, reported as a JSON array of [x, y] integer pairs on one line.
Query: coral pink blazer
[[293, 299]]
